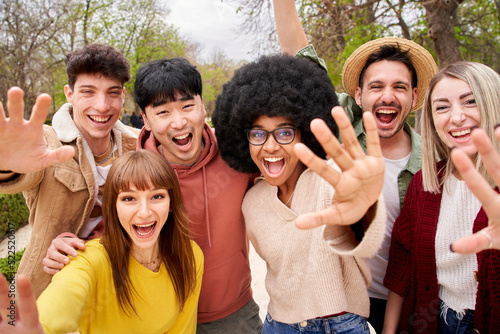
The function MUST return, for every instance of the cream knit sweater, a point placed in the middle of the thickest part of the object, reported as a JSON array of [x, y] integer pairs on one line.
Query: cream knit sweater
[[310, 273]]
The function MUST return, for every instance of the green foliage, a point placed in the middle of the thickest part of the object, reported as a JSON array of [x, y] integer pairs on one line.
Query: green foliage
[[9, 264], [13, 212]]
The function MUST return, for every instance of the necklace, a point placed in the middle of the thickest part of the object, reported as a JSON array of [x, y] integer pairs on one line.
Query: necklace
[[111, 153], [153, 265], [293, 192]]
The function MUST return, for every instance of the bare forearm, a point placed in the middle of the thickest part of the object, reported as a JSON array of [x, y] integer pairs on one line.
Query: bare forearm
[[291, 35], [392, 313]]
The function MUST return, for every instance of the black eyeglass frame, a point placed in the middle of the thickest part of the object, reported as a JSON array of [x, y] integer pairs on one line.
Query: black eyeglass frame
[[247, 132]]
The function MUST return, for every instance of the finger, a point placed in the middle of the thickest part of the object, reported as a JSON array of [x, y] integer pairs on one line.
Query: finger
[[476, 183], [27, 303], [316, 164], [4, 298], [3, 117], [331, 144], [67, 246], [372, 139], [329, 216], [60, 154], [488, 153], [40, 109], [347, 133], [50, 270], [51, 266], [471, 244], [15, 104]]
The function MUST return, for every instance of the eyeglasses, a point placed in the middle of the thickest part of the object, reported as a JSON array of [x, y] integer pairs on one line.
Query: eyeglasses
[[282, 136]]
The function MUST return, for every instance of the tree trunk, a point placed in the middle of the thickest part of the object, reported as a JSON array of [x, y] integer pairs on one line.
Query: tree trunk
[[440, 16]]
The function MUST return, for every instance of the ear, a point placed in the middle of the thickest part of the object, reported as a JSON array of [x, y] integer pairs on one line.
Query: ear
[[69, 94], [146, 121], [357, 95], [203, 106], [414, 94]]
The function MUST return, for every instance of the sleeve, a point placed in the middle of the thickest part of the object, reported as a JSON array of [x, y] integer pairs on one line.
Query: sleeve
[[187, 319], [309, 53], [346, 245], [400, 268], [21, 182], [62, 304]]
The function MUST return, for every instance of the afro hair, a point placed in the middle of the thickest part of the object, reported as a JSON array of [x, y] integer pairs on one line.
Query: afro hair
[[274, 86]]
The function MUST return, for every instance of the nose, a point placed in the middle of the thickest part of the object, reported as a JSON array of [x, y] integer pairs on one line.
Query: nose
[[271, 145], [102, 104], [144, 211], [388, 95], [178, 121], [457, 116]]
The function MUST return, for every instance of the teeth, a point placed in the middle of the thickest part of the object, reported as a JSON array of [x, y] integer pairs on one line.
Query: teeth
[[182, 137], [100, 119], [460, 133], [146, 225], [273, 159], [384, 111]]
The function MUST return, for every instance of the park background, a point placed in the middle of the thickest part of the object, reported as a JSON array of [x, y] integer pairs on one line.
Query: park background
[[218, 36]]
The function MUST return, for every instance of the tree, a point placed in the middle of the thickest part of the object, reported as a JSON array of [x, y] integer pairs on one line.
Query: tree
[[35, 35]]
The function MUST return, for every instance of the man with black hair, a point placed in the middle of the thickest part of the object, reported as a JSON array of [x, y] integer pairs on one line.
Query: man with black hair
[[169, 93], [388, 77], [61, 169]]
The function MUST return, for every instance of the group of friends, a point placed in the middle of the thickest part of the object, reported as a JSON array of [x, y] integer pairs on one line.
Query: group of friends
[[363, 224]]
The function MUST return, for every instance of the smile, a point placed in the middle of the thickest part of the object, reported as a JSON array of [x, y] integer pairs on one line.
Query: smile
[[386, 116], [144, 230], [460, 133], [274, 165], [183, 140], [100, 119]]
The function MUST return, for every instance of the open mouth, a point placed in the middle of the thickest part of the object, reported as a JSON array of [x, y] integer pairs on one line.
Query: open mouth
[[100, 119], [274, 165], [145, 229], [183, 140], [386, 116], [461, 135]]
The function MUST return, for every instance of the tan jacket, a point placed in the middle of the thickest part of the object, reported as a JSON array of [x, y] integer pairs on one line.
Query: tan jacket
[[61, 197]]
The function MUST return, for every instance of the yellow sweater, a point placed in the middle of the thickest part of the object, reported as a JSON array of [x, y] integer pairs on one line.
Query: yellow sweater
[[82, 298]]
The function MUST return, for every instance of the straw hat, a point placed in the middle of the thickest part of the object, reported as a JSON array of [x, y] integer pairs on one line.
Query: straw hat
[[422, 61]]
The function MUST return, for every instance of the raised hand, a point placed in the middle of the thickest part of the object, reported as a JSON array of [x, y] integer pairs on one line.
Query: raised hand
[[22, 146], [489, 237], [360, 182], [20, 317]]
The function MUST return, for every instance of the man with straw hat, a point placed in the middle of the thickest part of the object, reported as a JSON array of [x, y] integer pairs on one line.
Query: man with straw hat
[[389, 77]]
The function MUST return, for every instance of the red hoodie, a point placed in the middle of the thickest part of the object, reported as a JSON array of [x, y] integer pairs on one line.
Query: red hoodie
[[213, 193]]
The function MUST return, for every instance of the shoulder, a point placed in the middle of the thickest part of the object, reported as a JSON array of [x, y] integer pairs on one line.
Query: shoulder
[[94, 253]]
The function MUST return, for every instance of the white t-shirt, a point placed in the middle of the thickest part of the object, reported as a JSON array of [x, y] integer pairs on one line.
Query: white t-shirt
[[378, 263]]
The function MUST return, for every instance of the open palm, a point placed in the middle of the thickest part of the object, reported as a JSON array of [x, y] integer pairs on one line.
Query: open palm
[[22, 146], [359, 183]]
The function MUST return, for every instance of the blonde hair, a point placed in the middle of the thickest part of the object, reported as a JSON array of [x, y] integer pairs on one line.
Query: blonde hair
[[485, 86]]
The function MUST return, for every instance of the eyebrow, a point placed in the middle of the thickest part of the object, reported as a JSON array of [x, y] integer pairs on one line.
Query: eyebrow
[[287, 124], [406, 83], [94, 87], [444, 99]]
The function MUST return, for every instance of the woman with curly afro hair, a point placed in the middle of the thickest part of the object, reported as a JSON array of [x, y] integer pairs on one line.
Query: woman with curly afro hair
[[317, 277]]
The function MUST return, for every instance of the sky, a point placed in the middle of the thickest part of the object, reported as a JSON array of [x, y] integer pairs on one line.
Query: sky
[[212, 24]]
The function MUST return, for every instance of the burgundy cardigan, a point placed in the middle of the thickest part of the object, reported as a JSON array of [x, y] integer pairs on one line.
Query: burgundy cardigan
[[411, 271]]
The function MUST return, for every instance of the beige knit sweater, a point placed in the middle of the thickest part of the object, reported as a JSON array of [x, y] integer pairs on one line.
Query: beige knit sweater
[[310, 273]]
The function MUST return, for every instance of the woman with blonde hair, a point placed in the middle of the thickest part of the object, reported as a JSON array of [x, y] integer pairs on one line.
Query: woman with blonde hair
[[142, 276], [433, 289]]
